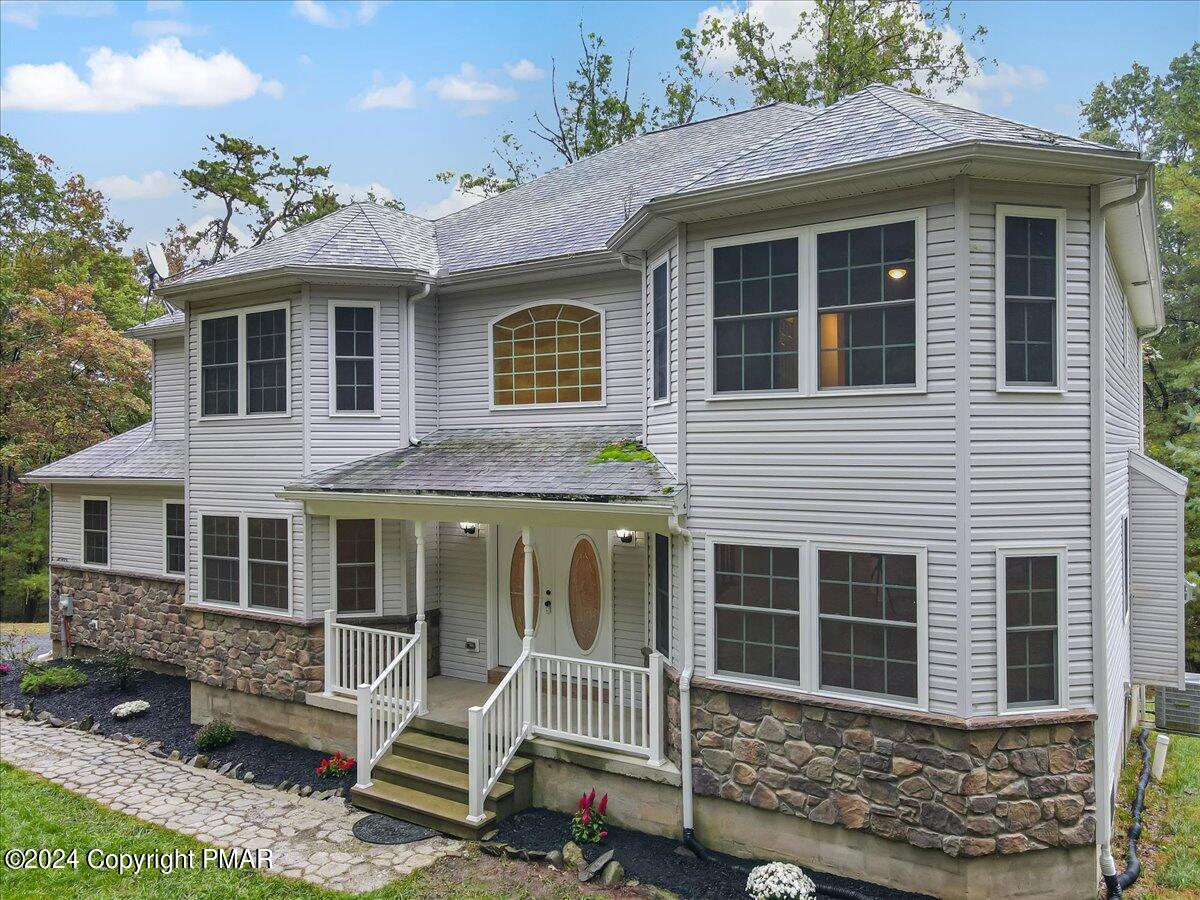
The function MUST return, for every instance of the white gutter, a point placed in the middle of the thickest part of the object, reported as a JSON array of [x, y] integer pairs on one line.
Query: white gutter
[[685, 681], [1099, 613], [412, 353]]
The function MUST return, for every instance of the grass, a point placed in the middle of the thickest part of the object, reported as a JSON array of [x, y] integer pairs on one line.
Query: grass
[[35, 813], [26, 628], [1170, 845], [622, 451]]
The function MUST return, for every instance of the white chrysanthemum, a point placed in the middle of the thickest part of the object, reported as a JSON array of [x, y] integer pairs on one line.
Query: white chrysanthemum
[[780, 881], [130, 709]]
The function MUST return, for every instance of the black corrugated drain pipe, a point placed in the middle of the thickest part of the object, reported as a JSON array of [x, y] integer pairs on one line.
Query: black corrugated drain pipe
[[1115, 884]]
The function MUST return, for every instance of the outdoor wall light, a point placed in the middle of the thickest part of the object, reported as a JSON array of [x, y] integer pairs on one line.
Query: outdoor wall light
[[897, 273], [469, 528], [624, 535]]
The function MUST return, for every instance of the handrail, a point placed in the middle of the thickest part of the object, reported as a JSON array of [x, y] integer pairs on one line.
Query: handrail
[[387, 704], [356, 654], [495, 732], [608, 665]]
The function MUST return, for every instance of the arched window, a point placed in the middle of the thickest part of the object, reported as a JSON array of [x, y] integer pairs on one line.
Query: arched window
[[549, 353]]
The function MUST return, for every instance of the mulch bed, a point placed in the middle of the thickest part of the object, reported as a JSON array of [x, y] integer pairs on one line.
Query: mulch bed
[[655, 860], [169, 720]]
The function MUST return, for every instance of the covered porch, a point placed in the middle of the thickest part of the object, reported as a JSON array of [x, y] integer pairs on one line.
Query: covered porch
[[560, 607]]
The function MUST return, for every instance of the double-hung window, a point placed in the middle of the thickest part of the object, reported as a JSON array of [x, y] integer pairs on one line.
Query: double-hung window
[[1030, 306], [175, 539], [246, 561], [756, 599], [356, 566], [868, 623], [95, 531], [267, 553], [1030, 586], [355, 336], [244, 363], [660, 331], [220, 539]]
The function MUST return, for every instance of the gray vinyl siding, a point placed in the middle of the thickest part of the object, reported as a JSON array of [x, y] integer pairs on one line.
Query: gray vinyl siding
[[662, 431], [462, 566], [1157, 565], [425, 345], [166, 385], [464, 340], [630, 567], [399, 573], [236, 465], [136, 525], [857, 468], [1029, 468], [337, 439]]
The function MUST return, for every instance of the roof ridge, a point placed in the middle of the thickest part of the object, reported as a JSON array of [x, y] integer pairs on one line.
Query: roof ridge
[[342, 227], [966, 136], [386, 245]]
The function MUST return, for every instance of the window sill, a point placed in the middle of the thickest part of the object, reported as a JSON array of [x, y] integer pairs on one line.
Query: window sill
[[241, 612], [518, 407], [333, 414], [1018, 389], [822, 394], [243, 417], [801, 695]]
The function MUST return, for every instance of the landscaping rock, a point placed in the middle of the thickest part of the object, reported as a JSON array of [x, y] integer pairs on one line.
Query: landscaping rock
[[572, 855], [491, 848], [175, 754], [612, 873], [200, 761], [306, 791], [555, 858], [248, 778], [593, 870], [86, 723]]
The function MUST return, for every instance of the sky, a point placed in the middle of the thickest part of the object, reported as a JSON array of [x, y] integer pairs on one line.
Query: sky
[[388, 94]]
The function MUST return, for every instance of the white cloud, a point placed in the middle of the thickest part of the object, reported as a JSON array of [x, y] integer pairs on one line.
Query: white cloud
[[348, 193], [156, 28], [148, 186], [780, 16], [524, 71], [469, 89], [204, 249], [28, 13], [340, 15], [401, 95], [162, 74], [452, 203], [998, 88], [164, 6], [304, 59], [273, 89]]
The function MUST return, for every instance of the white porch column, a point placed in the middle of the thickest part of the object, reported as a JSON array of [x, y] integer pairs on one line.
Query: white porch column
[[330, 650], [530, 600], [422, 661]]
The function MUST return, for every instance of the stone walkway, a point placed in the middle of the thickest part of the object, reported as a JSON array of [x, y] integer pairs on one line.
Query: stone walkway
[[309, 839]]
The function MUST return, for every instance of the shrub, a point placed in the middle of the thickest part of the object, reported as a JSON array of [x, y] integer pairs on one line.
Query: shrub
[[780, 881], [40, 680], [15, 647], [130, 709], [118, 666], [336, 766], [213, 735], [587, 825]]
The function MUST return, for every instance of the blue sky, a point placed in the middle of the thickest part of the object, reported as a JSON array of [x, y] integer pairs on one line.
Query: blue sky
[[390, 93]]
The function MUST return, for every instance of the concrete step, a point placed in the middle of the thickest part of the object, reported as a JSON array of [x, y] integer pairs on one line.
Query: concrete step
[[434, 779], [421, 808], [448, 753]]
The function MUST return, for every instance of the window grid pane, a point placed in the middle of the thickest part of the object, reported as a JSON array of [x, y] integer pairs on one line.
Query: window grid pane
[[356, 565], [1031, 630], [95, 532], [267, 554], [661, 340], [757, 609], [547, 354], [755, 310], [266, 362], [868, 622], [1030, 300], [219, 539], [866, 291], [219, 366], [176, 539], [354, 350]]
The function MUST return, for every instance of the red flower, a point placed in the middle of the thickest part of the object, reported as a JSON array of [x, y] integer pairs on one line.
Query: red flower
[[603, 804], [583, 801], [591, 797], [587, 817], [603, 835]]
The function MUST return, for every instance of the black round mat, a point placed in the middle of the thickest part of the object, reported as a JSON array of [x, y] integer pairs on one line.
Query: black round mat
[[380, 829]]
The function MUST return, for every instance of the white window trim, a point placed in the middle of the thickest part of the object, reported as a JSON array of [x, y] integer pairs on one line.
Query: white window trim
[[240, 315], [491, 384], [810, 682], [1059, 215], [1002, 554], [166, 555], [662, 259], [83, 528], [1127, 566], [653, 629], [807, 382], [333, 569], [244, 563], [334, 412]]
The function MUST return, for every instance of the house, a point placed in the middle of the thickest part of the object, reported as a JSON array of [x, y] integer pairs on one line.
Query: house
[[781, 474]]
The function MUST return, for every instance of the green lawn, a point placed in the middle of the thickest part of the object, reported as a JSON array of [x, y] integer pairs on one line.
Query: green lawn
[[36, 813], [1170, 845]]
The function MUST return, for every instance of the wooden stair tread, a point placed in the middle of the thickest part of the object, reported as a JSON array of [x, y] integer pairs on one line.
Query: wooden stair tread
[[410, 800], [447, 747], [429, 773]]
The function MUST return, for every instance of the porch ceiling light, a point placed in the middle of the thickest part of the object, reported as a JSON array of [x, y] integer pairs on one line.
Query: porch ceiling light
[[469, 528], [624, 535], [898, 272]]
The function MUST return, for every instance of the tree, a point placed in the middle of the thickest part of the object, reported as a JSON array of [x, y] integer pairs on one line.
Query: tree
[[517, 166], [1159, 116], [841, 46], [693, 83]]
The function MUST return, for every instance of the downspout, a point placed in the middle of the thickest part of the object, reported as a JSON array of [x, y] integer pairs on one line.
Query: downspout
[[685, 692], [413, 299], [1099, 612]]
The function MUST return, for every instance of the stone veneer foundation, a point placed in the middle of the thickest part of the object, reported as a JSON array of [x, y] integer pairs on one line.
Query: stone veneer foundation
[[967, 790], [242, 651]]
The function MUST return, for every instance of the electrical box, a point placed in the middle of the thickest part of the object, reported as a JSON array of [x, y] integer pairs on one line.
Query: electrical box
[[66, 605]]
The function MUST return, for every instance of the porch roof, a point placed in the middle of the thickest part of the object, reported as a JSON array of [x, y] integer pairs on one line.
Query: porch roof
[[535, 463]]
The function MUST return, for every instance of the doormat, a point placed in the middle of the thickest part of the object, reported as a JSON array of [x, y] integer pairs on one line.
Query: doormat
[[380, 829]]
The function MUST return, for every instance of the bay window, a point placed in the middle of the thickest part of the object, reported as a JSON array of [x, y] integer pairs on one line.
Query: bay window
[[244, 363], [1030, 617], [355, 358], [660, 332], [1030, 306], [245, 561]]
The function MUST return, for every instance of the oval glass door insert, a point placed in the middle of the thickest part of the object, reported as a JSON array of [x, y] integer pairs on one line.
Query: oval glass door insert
[[584, 597], [516, 588]]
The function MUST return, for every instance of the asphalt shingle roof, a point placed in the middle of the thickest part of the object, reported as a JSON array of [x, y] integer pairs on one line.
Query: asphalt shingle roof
[[133, 454], [548, 463], [171, 317], [575, 209]]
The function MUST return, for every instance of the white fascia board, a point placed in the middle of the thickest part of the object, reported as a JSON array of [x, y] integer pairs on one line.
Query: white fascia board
[[1165, 477]]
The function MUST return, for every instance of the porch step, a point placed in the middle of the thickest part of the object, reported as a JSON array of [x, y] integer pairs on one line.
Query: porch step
[[425, 780]]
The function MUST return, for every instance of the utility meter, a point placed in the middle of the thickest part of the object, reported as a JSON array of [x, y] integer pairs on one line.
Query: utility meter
[[66, 606]]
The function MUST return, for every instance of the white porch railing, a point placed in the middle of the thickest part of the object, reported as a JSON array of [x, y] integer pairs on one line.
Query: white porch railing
[[388, 704], [356, 655], [600, 704]]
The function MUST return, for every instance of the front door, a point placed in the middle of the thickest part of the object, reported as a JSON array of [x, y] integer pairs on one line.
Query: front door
[[572, 590]]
